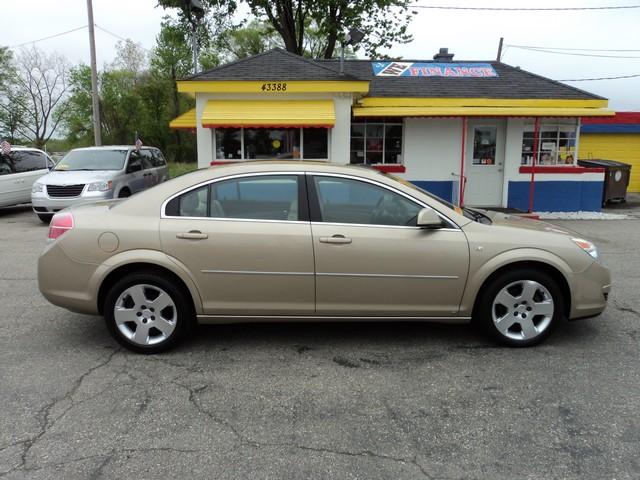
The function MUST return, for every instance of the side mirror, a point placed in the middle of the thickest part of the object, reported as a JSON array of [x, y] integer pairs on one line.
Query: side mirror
[[428, 218]]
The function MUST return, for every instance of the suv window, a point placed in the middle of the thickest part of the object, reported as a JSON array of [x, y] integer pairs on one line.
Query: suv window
[[20, 161], [6, 165], [147, 159], [158, 158], [135, 162], [269, 197], [343, 200]]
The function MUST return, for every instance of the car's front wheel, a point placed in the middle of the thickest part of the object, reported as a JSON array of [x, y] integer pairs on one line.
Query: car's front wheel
[[146, 313], [521, 308]]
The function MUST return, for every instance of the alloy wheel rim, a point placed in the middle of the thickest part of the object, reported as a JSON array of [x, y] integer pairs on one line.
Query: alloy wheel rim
[[145, 314], [522, 310]]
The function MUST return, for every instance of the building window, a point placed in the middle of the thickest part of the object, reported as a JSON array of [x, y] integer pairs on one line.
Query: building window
[[556, 144], [484, 145], [271, 143], [376, 142], [228, 143]]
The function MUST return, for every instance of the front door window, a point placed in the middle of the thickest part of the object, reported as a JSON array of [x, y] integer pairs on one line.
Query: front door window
[[484, 145]]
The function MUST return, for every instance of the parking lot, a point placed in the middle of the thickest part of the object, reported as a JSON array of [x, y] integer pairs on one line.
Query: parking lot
[[344, 401]]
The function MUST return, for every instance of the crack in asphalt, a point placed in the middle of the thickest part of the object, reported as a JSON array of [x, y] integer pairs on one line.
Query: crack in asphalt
[[43, 414], [245, 441]]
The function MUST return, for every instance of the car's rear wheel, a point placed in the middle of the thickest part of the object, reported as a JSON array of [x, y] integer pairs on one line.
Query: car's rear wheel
[[521, 308], [45, 217], [146, 313]]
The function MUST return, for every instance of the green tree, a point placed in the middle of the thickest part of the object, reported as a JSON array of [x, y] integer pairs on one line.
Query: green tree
[[33, 91], [171, 60], [384, 22], [12, 113]]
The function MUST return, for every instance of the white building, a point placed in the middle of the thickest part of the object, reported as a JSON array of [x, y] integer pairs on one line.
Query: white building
[[511, 136]]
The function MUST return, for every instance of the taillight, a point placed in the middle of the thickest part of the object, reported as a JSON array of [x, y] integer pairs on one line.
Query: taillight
[[60, 223]]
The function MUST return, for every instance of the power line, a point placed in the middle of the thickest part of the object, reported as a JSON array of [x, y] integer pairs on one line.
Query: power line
[[576, 49], [542, 50], [600, 78], [49, 37], [118, 36], [531, 9]]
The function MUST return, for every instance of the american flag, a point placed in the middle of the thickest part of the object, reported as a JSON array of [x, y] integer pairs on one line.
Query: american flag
[[5, 147], [138, 142]]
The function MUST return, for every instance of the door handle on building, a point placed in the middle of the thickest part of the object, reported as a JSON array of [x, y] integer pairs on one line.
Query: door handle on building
[[192, 235], [336, 239]]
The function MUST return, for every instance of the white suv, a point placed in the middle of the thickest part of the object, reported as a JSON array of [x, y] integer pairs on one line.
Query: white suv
[[19, 169], [97, 173]]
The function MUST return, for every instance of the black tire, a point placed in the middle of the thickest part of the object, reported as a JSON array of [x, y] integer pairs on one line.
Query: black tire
[[124, 193], [184, 317], [484, 310], [45, 217]]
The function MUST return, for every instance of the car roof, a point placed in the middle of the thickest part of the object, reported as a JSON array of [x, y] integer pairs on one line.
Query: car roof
[[289, 165], [29, 149], [113, 147]]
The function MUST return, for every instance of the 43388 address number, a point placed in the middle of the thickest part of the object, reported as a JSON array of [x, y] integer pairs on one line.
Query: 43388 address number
[[274, 87]]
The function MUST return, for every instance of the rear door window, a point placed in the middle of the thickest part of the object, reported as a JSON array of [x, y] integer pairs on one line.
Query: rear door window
[[268, 197], [158, 158], [147, 159], [27, 161]]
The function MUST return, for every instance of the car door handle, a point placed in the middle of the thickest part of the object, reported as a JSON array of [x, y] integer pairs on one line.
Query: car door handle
[[192, 235], [338, 239]]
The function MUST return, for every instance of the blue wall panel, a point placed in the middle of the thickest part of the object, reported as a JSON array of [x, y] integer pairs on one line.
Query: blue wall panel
[[559, 196], [443, 189]]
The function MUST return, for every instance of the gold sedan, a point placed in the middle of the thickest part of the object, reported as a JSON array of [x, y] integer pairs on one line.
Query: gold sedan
[[259, 241]]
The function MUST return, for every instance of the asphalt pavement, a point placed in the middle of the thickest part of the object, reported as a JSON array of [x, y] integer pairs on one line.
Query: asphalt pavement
[[319, 401]]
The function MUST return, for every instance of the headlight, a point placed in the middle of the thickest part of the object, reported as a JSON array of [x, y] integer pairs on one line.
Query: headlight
[[100, 186], [587, 246], [37, 187]]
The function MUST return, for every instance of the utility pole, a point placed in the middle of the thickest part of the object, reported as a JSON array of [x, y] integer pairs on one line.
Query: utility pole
[[499, 56], [97, 134]]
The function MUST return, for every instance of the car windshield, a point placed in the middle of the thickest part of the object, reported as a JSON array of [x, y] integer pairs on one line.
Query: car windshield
[[92, 160]]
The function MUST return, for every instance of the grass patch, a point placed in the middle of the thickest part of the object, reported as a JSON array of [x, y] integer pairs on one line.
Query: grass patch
[[177, 169]]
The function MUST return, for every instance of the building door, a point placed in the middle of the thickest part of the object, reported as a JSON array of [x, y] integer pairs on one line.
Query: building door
[[484, 167]]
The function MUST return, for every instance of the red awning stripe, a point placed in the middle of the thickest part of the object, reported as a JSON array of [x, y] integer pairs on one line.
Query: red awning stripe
[[225, 125]]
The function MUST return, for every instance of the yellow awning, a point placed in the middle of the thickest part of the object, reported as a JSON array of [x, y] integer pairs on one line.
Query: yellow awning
[[269, 113], [426, 111], [186, 120]]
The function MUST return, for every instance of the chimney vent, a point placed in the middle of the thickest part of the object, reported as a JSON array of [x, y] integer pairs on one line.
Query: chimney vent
[[443, 55]]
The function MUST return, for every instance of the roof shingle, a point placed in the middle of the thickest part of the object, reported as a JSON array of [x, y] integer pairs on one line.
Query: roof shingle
[[511, 82]]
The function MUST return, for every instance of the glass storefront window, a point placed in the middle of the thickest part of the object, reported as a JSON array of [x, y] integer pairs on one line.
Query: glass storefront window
[[315, 143], [228, 144], [556, 144], [271, 143], [376, 142]]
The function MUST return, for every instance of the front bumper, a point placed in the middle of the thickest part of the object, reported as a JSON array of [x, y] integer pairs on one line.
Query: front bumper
[[590, 291], [43, 203]]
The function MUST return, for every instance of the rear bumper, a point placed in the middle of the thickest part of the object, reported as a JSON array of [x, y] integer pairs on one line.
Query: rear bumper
[[65, 282], [590, 291]]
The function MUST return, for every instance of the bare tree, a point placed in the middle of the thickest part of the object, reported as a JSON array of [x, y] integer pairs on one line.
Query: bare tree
[[40, 86]]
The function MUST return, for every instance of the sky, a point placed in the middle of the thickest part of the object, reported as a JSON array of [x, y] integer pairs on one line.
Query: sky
[[471, 35]]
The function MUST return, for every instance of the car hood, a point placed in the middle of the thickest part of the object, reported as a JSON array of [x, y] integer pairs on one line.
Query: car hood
[[516, 221], [76, 177]]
